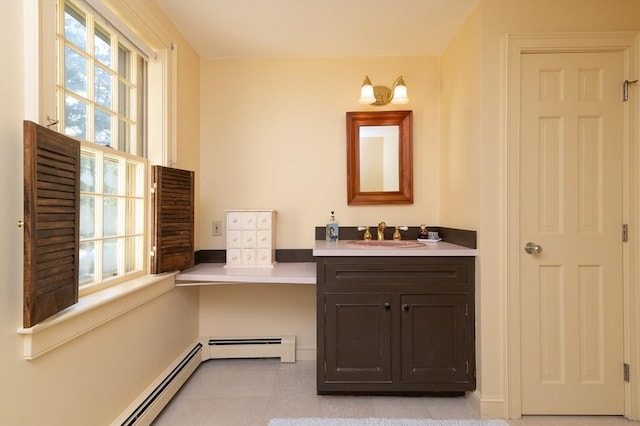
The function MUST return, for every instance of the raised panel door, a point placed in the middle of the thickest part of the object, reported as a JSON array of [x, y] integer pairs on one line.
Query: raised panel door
[[357, 338], [571, 205], [436, 340]]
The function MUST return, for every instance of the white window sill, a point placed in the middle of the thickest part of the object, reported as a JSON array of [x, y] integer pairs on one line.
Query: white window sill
[[91, 311]]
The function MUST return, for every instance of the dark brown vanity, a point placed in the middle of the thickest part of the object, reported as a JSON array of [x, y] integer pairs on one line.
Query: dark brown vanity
[[392, 323]]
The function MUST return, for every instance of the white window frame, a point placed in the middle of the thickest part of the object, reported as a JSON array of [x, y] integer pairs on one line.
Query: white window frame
[[140, 233], [97, 240]]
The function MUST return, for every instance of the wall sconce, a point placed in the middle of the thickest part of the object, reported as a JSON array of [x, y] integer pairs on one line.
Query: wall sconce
[[382, 95]]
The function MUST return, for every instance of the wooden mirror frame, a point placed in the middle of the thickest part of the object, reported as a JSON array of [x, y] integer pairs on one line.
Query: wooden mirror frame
[[404, 120]]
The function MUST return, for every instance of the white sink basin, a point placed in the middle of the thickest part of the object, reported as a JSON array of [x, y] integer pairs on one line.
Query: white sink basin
[[388, 243]]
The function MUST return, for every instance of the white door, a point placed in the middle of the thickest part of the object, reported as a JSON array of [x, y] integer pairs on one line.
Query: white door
[[571, 186]]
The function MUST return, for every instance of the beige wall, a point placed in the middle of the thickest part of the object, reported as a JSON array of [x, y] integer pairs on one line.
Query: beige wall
[[267, 310], [274, 136], [92, 378], [460, 126]]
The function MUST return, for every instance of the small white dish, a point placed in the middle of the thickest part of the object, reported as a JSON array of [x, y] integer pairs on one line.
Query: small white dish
[[426, 240]]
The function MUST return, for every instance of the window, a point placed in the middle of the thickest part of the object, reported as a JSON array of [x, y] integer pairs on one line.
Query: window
[[101, 99]]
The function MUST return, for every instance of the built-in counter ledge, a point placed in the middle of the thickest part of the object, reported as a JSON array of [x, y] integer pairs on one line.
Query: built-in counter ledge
[[298, 266], [217, 273]]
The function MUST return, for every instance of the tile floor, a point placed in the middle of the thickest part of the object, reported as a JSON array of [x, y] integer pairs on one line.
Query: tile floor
[[250, 392]]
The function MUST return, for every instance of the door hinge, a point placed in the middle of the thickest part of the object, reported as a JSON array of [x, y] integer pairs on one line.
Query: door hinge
[[625, 89], [466, 309], [154, 187], [627, 374], [467, 365], [625, 233], [153, 251]]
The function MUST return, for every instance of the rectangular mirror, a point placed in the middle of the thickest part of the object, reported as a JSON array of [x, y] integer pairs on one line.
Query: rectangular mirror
[[379, 157]]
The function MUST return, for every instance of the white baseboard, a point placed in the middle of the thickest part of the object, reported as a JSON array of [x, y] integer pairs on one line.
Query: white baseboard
[[146, 407], [488, 407]]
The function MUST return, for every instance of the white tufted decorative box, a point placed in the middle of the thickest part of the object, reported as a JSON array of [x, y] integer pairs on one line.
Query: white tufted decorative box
[[251, 237]]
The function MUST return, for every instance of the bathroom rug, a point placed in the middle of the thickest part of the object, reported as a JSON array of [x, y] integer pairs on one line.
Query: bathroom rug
[[380, 421]]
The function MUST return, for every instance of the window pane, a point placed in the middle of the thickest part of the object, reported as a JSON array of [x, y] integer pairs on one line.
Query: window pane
[[124, 143], [124, 62], [87, 262], [110, 212], [135, 216], [102, 128], [102, 43], [140, 128], [75, 116], [124, 99], [103, 87], [75, 72], [133, 261], [87, 172], [134, 180], [109, 258], [75, 27], [87, 217], [111, 176]]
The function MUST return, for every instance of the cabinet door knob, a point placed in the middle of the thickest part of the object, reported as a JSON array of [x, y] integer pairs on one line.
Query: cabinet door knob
[[387, 306], [405, 307]]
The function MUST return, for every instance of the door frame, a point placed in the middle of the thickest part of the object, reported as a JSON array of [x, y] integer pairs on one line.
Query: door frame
[[517, 45]]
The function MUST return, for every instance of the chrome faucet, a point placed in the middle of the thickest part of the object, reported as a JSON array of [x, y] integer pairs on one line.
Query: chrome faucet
[[381, 227]]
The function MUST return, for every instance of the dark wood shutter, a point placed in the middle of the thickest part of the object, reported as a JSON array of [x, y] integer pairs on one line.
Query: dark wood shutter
[[52, 222], [173, 213]]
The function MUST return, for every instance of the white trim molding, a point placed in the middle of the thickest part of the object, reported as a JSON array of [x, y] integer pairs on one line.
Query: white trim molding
[[92, 311]]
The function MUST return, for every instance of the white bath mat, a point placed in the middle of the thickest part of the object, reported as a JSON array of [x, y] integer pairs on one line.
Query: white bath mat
[[318, 421]]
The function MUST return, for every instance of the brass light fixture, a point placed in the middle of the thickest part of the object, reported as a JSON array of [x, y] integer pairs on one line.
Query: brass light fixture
[[382, 95]]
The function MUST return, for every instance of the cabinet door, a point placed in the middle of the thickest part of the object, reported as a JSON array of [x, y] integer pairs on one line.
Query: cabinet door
[[234, 257], [264, 257], [249, 239], [357, 338], [436, 339], [263, 239], [263, 220], [234, 220], [249, 220], [234, 239]]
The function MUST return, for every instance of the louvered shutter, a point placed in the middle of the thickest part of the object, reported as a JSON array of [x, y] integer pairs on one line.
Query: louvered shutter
[[52, 222], [173, 213]]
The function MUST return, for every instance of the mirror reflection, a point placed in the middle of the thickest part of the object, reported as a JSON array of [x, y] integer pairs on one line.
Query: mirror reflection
[[379, 152]]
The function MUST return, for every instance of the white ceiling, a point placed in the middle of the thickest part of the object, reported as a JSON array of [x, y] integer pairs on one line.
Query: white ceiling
[[317, 28]]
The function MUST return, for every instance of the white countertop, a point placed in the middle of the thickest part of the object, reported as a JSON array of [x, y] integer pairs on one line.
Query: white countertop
[[346, 248], [305, 272], [217, 273]]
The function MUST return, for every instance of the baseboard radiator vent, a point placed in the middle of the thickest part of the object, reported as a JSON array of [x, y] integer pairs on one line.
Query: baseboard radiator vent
[[147, 407], [283, 347]]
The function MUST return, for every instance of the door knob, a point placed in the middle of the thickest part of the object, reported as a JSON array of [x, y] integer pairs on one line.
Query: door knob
[[405, 307], [387, 306], [532, 248]]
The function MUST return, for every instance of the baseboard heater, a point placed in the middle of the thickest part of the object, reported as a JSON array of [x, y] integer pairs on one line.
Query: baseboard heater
[[262, 347], [147, 407]]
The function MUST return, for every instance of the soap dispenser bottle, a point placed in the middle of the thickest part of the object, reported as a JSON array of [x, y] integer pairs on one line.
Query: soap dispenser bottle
[[332, 229]]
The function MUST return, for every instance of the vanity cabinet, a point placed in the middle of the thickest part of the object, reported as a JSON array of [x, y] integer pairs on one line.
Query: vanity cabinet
[[395, 325]]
